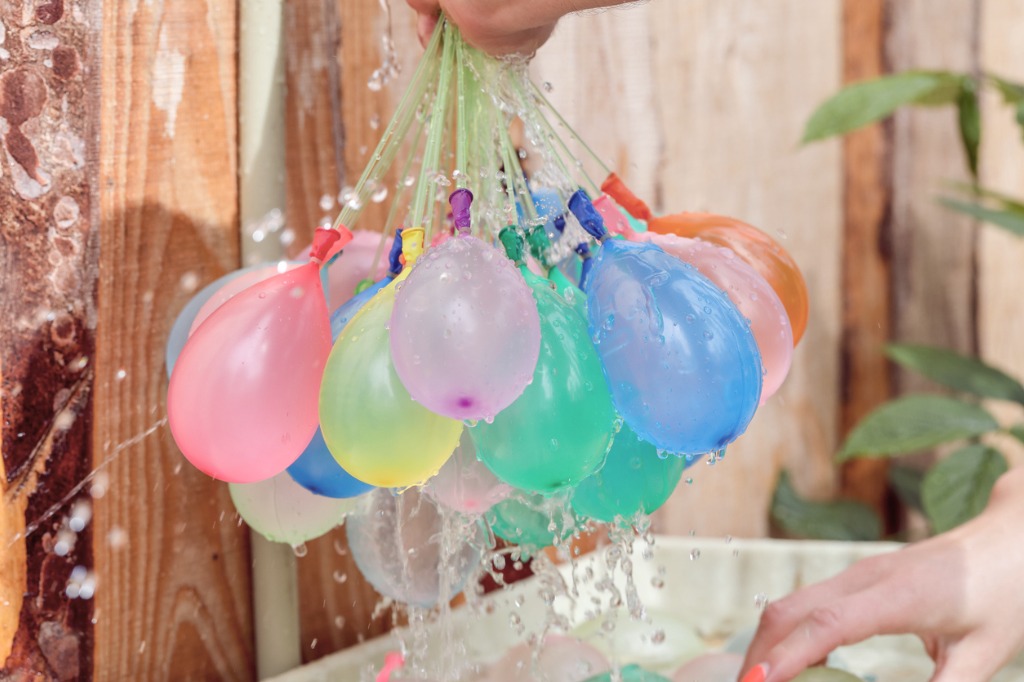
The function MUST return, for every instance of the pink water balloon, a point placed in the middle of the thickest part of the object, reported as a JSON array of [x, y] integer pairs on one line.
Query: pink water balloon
[[238, 285], [750, 292], [465, 333], [464, 483], [615, 221], [242, 401], [560, 659], [358, 261]]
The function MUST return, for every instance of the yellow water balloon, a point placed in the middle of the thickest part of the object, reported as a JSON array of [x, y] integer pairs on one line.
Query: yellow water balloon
[[371, 425]]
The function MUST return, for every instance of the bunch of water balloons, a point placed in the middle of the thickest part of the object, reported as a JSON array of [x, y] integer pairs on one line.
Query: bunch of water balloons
[[531, 357]]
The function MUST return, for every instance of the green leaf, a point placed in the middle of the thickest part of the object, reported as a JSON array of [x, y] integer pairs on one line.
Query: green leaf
[[958, 487], [969, 114], [1006, 218], [906, 482], [862, 103], [959, 372], [1013, 94], [1017, 431], [978, 192], [914, 423], [840, 520]]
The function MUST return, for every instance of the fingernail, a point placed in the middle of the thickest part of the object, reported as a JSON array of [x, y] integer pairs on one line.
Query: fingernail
[[756, 674]]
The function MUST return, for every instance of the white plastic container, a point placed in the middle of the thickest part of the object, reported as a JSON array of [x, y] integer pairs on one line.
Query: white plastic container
[[698, 593]]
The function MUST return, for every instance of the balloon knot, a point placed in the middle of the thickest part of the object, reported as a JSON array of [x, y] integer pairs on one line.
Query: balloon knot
[[392, 661], [326, 240], [460, 200], [587, 215]]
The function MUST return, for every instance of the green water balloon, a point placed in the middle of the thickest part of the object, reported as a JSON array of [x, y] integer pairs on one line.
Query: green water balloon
[[634, 479], [558, 431], [533, 521]]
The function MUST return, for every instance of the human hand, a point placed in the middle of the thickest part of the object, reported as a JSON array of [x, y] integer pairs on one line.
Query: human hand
[[959, 592], [501, 26]]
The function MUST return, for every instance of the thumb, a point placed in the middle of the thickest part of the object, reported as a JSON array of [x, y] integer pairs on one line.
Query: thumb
[[971, 659]]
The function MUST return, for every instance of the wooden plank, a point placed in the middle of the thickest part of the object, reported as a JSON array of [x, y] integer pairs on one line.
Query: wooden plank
[[707, 116], [1000, 254], [48, 270], [173, 596], [334, 121], [867, 192], [933, 249]]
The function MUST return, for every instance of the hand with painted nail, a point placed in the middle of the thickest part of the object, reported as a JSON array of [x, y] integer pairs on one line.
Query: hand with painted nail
[[502, 26], [960, 592]]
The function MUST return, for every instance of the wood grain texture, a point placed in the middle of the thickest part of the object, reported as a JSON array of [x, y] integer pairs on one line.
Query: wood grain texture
[[1000, 254], [48, 269], [334, 122], [933, 249], [700, 105], [173, 596], [867, 193]]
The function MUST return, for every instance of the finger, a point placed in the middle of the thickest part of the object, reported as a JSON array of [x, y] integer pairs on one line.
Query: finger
[[432, 7], [782, 616], [848, 620], [975, 658], [425, 28]]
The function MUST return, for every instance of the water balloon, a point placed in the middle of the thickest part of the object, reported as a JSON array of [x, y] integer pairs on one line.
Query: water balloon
[[559, 659], [371, 425], [633, 480], [242, 400], [558, 431], [750, 292], [410, 550], [680, 360], [464, 484], [282, 511], [533, 521], [465, 332]]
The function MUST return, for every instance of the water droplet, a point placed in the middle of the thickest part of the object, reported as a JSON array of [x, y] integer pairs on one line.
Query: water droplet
[[300, 550], [694, 554], [326, 202], [760, 601], [658, 637], [117, 537], [548, 87], [189, 282], [340, 577]]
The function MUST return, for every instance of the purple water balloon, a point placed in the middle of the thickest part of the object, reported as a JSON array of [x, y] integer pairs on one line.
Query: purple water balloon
[[465, 333]]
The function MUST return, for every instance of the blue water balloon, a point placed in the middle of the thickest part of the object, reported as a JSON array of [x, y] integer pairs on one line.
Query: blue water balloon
[[681, 362]]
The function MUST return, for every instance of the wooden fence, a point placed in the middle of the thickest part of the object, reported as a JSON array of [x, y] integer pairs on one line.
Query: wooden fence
[[120, 195]]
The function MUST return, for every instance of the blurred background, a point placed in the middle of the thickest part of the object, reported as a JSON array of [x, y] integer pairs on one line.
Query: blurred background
[[146, 152]]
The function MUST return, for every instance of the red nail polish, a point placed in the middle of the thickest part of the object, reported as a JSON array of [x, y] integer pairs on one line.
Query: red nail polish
[[756, 674]]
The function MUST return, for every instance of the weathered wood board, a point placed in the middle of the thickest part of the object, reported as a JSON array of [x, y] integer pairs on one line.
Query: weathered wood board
[[173, 566], [1000, 255]]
